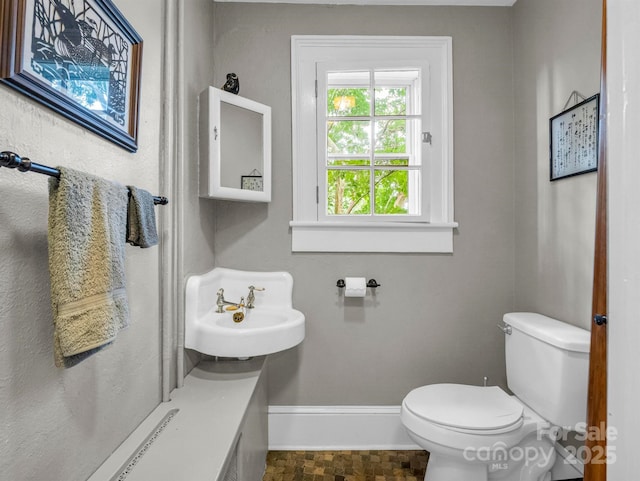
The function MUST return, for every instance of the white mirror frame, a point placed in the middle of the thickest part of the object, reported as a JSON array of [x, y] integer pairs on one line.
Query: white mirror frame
[[210, 151]]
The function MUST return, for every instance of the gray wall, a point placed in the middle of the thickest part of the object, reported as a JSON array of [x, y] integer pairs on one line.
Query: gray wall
[[196, 216], [61, 424], [556, 51], [434, 317]]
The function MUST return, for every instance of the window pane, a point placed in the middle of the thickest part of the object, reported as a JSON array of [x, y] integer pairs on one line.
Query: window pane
[[348, 102], [396, 92], [349, 78], [392, 192], [391, 136], [390, 101], [391, 161], [349, 137], [348, 162], [348, 192]]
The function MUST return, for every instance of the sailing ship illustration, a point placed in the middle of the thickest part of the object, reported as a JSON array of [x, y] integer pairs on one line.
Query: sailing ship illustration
[[79, 53]]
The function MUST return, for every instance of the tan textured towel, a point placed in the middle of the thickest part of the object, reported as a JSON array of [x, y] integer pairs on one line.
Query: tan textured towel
[[87, 226]]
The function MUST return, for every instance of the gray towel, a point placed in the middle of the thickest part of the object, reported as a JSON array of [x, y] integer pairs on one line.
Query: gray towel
[[141, 219], [87, 224]]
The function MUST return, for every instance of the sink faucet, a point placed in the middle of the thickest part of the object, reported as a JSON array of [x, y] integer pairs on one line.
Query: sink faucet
[[221, 302], [251, 298]]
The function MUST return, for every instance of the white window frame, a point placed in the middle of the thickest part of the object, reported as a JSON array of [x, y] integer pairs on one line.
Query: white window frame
[[311, 233]]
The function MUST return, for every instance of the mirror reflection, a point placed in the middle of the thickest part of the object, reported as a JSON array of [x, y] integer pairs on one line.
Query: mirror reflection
[[241, 147]]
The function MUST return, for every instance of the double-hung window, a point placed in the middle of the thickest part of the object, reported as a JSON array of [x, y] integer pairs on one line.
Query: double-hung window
[[372, 144], [370, 164]]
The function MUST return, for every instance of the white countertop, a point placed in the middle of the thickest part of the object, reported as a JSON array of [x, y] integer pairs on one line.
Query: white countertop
[[195, 444]]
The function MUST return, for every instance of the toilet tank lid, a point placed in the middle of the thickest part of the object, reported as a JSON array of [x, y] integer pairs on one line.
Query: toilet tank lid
[[557, 333]]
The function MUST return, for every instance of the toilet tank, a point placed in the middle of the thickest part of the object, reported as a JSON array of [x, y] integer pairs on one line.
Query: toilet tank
[[548, 366]]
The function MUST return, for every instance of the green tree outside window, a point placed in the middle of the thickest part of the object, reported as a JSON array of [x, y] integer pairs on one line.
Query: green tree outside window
[[354, 131]]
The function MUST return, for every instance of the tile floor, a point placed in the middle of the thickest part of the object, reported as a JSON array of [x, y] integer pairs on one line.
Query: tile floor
[[345, 466]]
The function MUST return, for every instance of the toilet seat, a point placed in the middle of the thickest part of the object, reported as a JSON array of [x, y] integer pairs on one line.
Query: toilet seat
[[455, 418], [466, 409]]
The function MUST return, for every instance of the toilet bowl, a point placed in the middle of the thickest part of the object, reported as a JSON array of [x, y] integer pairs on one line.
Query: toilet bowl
[[476, 433], [490, 431]]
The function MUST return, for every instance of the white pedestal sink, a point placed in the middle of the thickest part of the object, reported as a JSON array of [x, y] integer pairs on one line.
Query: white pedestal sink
[[272, 325]]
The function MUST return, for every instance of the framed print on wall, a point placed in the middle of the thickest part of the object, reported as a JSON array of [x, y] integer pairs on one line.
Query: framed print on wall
[[252, 182], [574, 139], [80, 58]]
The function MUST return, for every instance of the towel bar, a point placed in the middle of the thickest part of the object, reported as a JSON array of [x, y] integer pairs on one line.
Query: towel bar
[[23, 164]]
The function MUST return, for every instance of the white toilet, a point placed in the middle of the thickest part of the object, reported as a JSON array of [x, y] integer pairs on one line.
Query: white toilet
[[476, 433]]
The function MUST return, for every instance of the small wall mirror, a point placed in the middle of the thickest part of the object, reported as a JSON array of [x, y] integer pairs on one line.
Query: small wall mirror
[[235, 147]]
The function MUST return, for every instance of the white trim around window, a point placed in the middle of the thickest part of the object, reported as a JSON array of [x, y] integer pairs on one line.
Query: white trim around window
[[312, 232]]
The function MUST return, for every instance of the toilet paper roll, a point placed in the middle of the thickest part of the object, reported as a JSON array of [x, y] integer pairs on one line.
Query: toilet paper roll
[[355, 287]]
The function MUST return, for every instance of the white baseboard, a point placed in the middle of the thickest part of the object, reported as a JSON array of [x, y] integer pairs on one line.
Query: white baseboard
[[325, 428]]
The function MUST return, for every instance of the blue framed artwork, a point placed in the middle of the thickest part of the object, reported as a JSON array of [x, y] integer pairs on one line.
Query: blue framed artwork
[[80, 58]]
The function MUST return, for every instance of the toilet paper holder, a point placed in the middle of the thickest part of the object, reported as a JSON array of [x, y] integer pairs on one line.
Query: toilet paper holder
[[370, 283]]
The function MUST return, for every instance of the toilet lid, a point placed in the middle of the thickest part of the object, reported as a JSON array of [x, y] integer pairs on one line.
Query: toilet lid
[[465, 407]]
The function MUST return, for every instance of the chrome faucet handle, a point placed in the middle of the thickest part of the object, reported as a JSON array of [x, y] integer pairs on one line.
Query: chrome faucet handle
[[251, 298]]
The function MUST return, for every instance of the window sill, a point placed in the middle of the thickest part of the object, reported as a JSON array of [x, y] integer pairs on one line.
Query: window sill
[[397, 237]]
